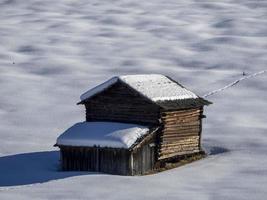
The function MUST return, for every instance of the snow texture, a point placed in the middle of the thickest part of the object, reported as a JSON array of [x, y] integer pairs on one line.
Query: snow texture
[[52, 51], [155, 87], [103, 134]]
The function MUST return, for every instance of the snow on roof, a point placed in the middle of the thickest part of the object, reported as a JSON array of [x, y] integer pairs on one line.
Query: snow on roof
[[103, 134], [155, 87]]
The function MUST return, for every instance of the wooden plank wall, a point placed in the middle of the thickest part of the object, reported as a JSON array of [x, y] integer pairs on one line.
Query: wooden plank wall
[[144, 159], [95, 159], [181, 132], [120, 103]]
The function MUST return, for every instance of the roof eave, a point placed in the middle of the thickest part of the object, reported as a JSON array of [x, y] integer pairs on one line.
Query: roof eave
[[169, 105], [150, 134], [80, 102]]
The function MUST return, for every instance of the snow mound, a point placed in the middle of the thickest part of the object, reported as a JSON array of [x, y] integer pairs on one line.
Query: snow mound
[[103, 134], [155, 87]]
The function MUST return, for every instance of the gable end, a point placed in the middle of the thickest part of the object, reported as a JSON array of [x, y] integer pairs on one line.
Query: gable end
[[123, 104]]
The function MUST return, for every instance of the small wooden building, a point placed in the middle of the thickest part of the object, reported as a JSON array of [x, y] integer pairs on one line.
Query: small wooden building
[[133, 123]]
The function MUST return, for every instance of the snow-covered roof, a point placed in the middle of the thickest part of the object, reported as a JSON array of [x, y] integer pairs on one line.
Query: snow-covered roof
[[103, 134], [155, 87]]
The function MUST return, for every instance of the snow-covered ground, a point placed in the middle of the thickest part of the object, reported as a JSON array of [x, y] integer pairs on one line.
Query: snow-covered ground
[[52, 51]]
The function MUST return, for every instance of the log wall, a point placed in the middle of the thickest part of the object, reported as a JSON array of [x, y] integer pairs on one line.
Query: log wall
[[181, 132], [120, 103]]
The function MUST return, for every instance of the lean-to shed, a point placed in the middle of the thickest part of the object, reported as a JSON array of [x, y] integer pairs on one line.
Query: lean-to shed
[[133, 122]]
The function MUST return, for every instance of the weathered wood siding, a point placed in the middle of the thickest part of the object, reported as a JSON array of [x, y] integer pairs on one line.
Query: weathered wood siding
[[95, 159], [143, 158], [121, 103], [181, 132]]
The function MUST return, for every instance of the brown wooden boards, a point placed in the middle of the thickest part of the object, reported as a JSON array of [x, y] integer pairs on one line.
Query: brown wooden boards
[[181, 132], [120, 103]]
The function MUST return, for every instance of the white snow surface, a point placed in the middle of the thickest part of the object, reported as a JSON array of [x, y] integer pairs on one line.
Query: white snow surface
[[103, 134], [155, 87], [60, 48]]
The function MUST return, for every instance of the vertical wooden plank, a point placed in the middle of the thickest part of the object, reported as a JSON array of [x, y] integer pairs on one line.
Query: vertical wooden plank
[[126, 161], [140, 160], [80, 159], [114, 163], [120, 168], [134, 163], [72, 159], [102, 160], [66, 158], [152, 149], [143, 160], [106, 159], [94, 159], [131, 164], [77, 151], [200, 128], [136, 160], [76, 154], [69, 158], [123, 166], [88, 155], [71, 164], [148, 159], [98, 169], [83, 160], [149, 164], [62, 160], [109, 160]]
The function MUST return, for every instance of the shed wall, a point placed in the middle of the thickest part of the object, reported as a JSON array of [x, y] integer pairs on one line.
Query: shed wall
[[181, 132], [95, 159], [144, 157], [121, 103]]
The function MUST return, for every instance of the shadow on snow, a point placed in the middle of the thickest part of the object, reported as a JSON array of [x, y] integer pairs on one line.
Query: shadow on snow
[[215, 150], [30, 168], [40, 167]]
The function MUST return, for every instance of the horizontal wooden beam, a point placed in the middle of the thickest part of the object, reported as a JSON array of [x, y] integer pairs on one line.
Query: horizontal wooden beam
[[181, 112], [180, 128], [175, 139], [185, 124], [180, 120], [180, 116], [178, 154]]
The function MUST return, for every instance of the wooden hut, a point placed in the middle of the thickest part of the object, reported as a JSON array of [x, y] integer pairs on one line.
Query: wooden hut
[[133, 123]]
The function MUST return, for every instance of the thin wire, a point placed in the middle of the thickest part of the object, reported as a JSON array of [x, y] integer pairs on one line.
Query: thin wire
[[234, 83]]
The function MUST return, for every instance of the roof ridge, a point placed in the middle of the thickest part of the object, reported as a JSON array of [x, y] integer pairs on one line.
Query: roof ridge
[[154, 87]]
